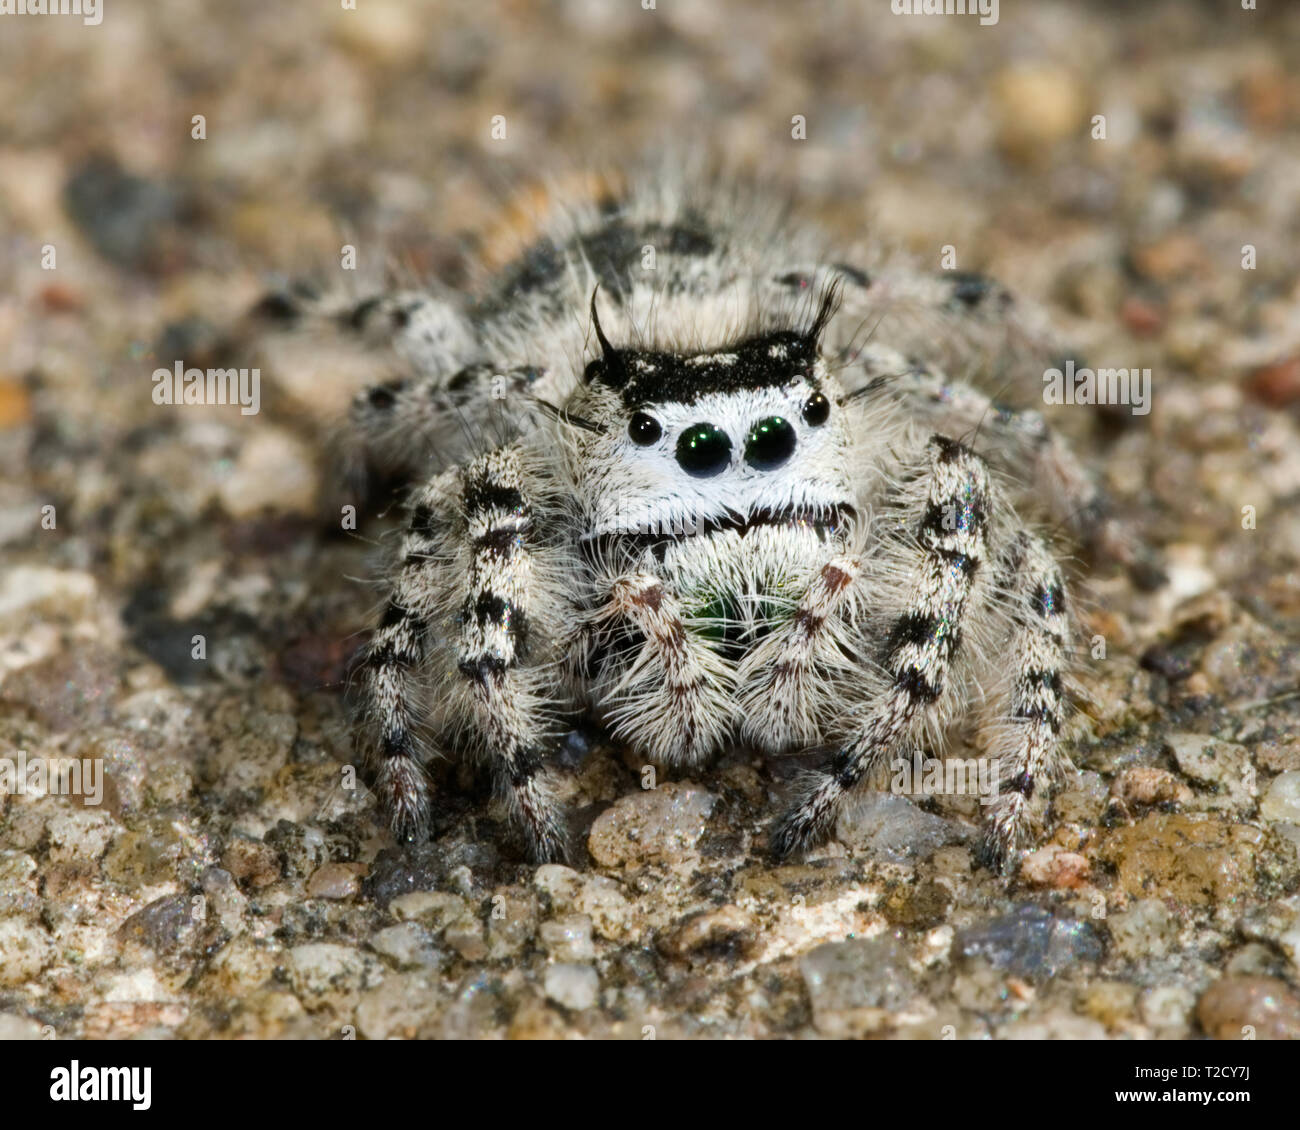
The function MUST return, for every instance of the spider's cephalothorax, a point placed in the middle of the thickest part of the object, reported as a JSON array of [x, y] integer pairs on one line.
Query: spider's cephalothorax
[[717, 517]]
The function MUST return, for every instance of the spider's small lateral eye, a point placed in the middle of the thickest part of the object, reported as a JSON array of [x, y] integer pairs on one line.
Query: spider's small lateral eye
[[816, 410], [591, 371], [644, 430]]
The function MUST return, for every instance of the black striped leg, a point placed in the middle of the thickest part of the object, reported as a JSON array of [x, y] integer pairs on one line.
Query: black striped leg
[[504, 704], [955, 319], [474, 523], [672, 699], [1034, 704], [397, 425], [431, 332], [1020, 443], [784, 676], [922, 643], [389, 675]]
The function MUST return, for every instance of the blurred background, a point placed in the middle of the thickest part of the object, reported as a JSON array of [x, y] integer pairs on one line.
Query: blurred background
[[323, 125]]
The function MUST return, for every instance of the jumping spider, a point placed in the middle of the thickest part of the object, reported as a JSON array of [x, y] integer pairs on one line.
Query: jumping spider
[[736, 499]]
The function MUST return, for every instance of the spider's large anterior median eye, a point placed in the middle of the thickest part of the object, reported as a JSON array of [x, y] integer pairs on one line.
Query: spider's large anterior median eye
[[644, 430], [703, 450], [769, 444], [816, 410]]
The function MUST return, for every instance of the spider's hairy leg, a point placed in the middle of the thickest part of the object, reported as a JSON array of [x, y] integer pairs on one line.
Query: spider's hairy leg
[[1018, 442], [502, 701], [780, 701], [428, 328], [1033, 705], [672, 700], [399, 425], [453, 636], [388, 677], [953, 318], [922, 642], [424, 362]]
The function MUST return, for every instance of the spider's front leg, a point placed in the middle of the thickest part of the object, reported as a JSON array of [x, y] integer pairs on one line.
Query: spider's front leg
[[464, 616], [922, 642]]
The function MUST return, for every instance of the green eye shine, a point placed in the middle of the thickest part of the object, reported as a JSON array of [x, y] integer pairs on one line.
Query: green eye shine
[[770, 443], [703, 450]]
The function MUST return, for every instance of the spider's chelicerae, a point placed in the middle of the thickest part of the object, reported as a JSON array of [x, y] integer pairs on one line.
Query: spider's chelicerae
[[732, 496]]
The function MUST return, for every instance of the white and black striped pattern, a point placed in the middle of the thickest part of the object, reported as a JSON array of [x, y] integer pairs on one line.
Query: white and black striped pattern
[[919, 649], [1034, 703], [469, 577]]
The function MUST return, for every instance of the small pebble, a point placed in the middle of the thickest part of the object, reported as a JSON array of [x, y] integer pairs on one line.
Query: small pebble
[[855, 986], [251, 862], [336, 881], [1145, 784], [1232, 1005], [893, 829], [1144, 929], [1281, 804], [660, 823], [572, 986], [1053, 866], [1031, 942], [568, 939], [25, 949]]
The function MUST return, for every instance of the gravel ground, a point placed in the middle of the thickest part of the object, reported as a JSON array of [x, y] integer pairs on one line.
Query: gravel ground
[[230, 885]]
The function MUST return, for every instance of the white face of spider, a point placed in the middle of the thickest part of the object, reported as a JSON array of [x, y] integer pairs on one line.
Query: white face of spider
[[688, 439]]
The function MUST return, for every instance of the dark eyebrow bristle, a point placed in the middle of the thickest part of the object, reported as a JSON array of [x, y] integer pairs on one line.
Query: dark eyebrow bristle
[[830, 303], [612, 371]]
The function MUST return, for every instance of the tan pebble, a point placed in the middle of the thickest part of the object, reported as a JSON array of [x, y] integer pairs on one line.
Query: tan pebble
[[15, 404], [1184, 857], [1229, 1008], [1037, 104], [1111, 1002], [251, 862], [1054, 866], [336, 880], [274, 471], [661, 823], [1145, 784], [466, 938]]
